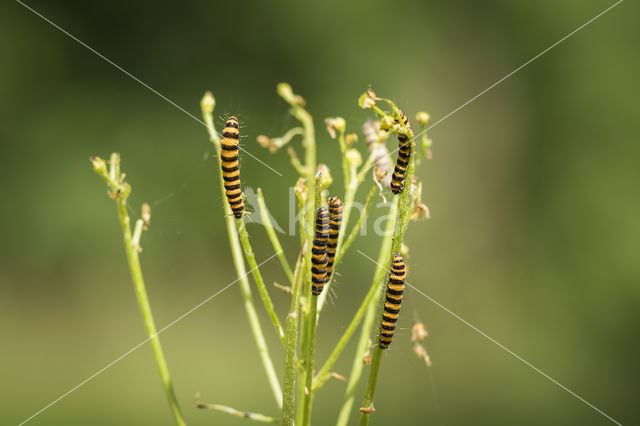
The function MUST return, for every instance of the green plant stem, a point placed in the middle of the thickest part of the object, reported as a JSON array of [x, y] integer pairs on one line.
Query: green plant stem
[[291, 341], [257, 276], [367, 324], [311, 331], [120, 191], [238, 262], [358, 365], [311, 322], [244, 414], [268, 225], [145, 308], [402, 220]]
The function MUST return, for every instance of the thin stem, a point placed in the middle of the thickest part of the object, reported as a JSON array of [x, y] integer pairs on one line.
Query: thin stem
[[311, 330], [402, 220], [311, 323], [309, 144], [238, 262], [145, 309], [120, 191], [268, 225], [257, 277], [367, 324], [357, 366], [291, 341], [244, 414]]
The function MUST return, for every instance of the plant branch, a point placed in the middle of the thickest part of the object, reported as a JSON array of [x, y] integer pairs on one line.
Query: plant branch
[[120, 190], [268, 225], [257, 276], [238, 262], [402, 220], [291, 341]]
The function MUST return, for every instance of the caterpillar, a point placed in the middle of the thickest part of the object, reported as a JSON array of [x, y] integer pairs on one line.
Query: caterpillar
[[335, 220], [319, 252], [404, 153], [231, 166], [391, 312]]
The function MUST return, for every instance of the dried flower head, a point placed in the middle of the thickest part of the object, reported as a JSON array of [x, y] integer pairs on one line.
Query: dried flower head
[[335, 124], [368, 99], [367, 410], [301, 189], [421, 352], [351, 138], [325, 175], [420, 211], [366, 358], [272, 144], [146, 215], [99, 165], [418, 332]]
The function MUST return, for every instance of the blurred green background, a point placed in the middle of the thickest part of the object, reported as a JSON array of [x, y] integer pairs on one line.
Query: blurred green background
[[533, 190]]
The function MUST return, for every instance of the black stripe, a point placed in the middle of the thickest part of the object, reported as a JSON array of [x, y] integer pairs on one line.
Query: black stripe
[[401, 163], [229, 147], [389, 319], [321, 261], [234, 202], [231, 178], [388, 327], [390, 299], [318, 280], [232, 187], [386, 335], [230, 169], [232, 123], [230, 135], [237, 209], [229, 159], [395, 292], [391, 310]]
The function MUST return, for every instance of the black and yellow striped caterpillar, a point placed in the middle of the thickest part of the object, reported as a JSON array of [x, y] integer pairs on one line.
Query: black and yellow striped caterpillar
[[397, 178], [391, 312], [319, 252], [231, 166], [335, 220]]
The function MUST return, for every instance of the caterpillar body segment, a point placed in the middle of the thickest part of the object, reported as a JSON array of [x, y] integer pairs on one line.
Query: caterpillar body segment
[[395, 288], [404, 153]]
